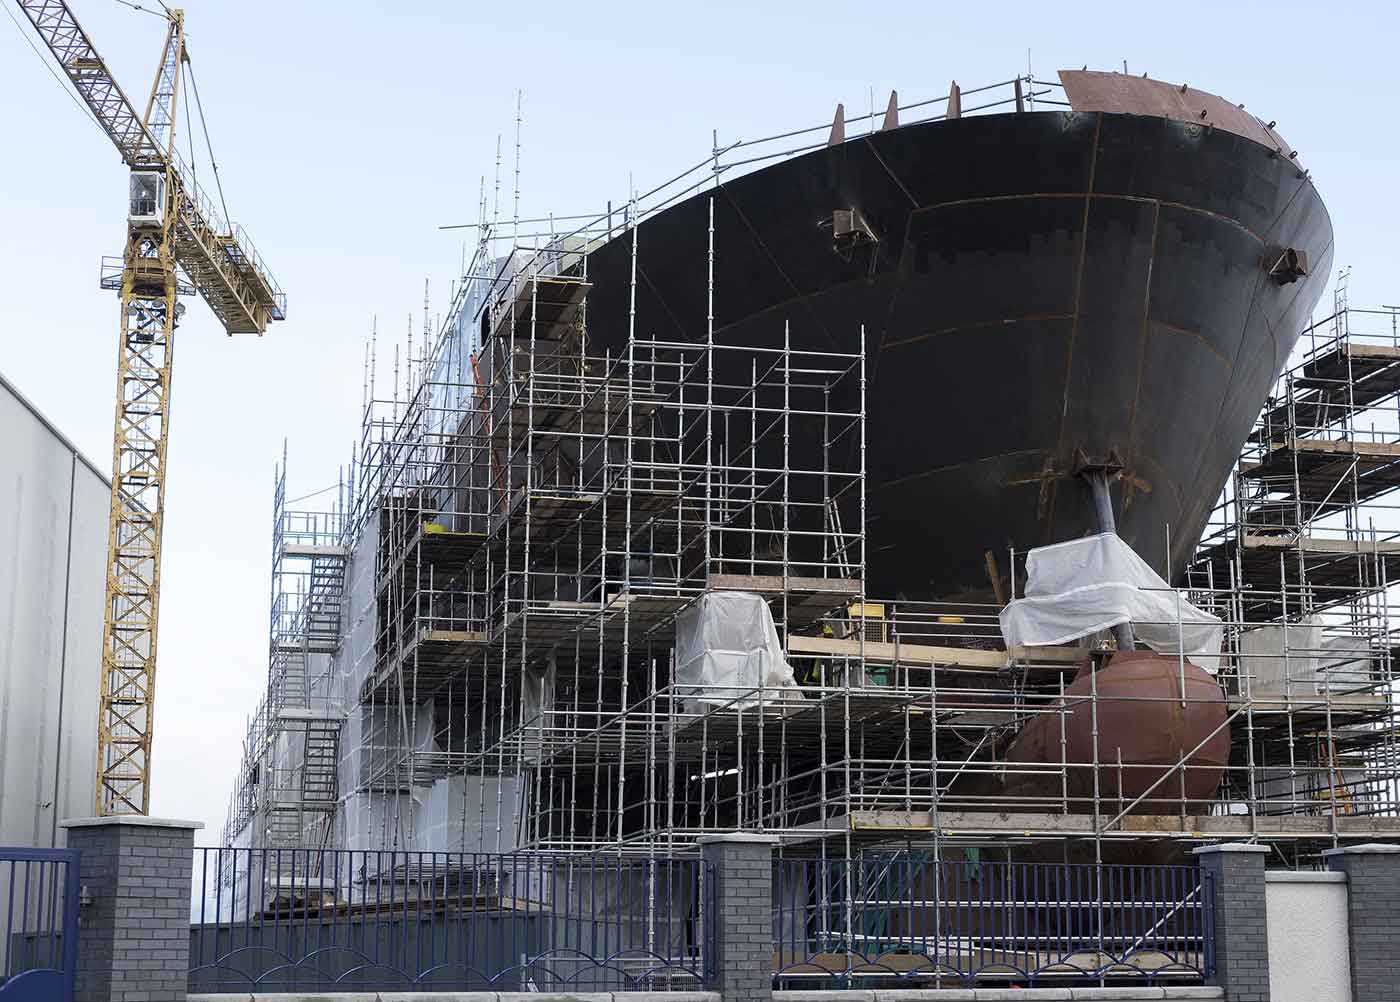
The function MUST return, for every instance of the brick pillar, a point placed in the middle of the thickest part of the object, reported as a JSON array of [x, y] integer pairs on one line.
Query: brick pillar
[[1373, 918], [743, 914], [1241, 927], [134, 927]]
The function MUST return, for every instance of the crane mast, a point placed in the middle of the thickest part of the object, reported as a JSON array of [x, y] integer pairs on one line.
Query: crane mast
[[176, 243]]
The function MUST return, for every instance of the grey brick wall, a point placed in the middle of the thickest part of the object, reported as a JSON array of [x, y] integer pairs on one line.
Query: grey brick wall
[[743, 925], [134, 936], [1241, 924], [1373, 918]]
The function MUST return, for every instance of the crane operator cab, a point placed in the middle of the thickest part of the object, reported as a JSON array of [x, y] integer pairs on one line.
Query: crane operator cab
[[147, 197]]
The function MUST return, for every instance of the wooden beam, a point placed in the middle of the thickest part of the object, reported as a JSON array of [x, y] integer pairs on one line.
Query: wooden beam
[[925, 654], [1382, 351], [776, 584], [1345, 447], [1164, 825], [1313, 544]]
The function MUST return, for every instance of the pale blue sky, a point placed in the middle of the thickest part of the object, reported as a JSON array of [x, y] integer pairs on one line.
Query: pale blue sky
[[348, 132]]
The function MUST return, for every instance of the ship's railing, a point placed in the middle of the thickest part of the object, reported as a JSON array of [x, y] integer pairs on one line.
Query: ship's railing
[[553, 245], [1020, 93], [566, 235]]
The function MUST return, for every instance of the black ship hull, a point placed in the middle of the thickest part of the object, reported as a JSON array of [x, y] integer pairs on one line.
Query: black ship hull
[[1034, 287]]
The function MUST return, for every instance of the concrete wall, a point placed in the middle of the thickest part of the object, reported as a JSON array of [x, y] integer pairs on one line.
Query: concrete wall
[[1307, 914], [54, 507]]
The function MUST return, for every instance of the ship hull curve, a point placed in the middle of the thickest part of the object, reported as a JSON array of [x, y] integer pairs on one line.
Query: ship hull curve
[[1036, 287]]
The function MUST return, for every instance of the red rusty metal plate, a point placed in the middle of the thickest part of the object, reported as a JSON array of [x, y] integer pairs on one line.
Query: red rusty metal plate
[[1091, 90], [1142, 724]]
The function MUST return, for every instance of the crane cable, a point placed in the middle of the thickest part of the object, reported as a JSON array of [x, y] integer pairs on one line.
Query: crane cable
[[143, 10], [63, 82], [189, 130], [67, 87], [199, 106]]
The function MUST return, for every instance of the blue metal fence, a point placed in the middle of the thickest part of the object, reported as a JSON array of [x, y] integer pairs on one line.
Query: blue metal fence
[[341, 920], [910, 919], [39, 923]]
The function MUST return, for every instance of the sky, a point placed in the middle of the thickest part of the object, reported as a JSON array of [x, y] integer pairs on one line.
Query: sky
[[347, 133]]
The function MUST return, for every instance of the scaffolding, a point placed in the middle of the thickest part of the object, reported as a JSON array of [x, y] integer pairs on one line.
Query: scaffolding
[[544, 511], [539, 514], [287, 789], [534, 518], [1299, 560]]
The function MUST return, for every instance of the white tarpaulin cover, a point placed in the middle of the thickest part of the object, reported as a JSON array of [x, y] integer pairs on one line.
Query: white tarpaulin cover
[[727, 646], [1283, 658], [1302, 658], [1083, 586]]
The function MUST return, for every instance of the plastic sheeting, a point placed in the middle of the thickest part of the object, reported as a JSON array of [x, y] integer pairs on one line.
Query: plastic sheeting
[[1300, 659], [1083, 586], [1348, 662], [537, 692], [1282, 658], [726, 647], [537, 686], [467, 814]]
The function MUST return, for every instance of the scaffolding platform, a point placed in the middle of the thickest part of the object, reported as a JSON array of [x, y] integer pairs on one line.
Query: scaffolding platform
[[1328, 386], [806, 599], [967, 658], [311, 645], [562, 406], [446, 550], [539, 301], [546, 626], [314, 550], [431, 659], [1275, 565], [1315, 471], [1353, 722], [548, 516], [1030, 824], [437, 553]]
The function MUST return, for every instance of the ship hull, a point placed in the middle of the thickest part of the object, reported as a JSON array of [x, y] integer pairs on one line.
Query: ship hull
[[1034, 288]]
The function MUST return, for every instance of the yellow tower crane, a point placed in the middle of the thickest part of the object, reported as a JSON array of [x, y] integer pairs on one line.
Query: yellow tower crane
[[176, 244]]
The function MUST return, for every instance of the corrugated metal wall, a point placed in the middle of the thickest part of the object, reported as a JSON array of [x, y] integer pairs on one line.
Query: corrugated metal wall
[[53, 538]]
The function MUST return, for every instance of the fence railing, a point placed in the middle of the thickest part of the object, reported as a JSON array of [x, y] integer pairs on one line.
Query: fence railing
[[961, 921], [38, 922], [342, 920]]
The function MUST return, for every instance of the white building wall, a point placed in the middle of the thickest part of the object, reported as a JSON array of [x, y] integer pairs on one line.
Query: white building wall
[[1307, 932], [53, 537]]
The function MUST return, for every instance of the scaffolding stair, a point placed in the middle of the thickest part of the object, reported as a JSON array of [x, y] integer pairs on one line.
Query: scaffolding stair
[[320, 761], [325, 600], [284, 826], [289, 677], [318, 627]]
